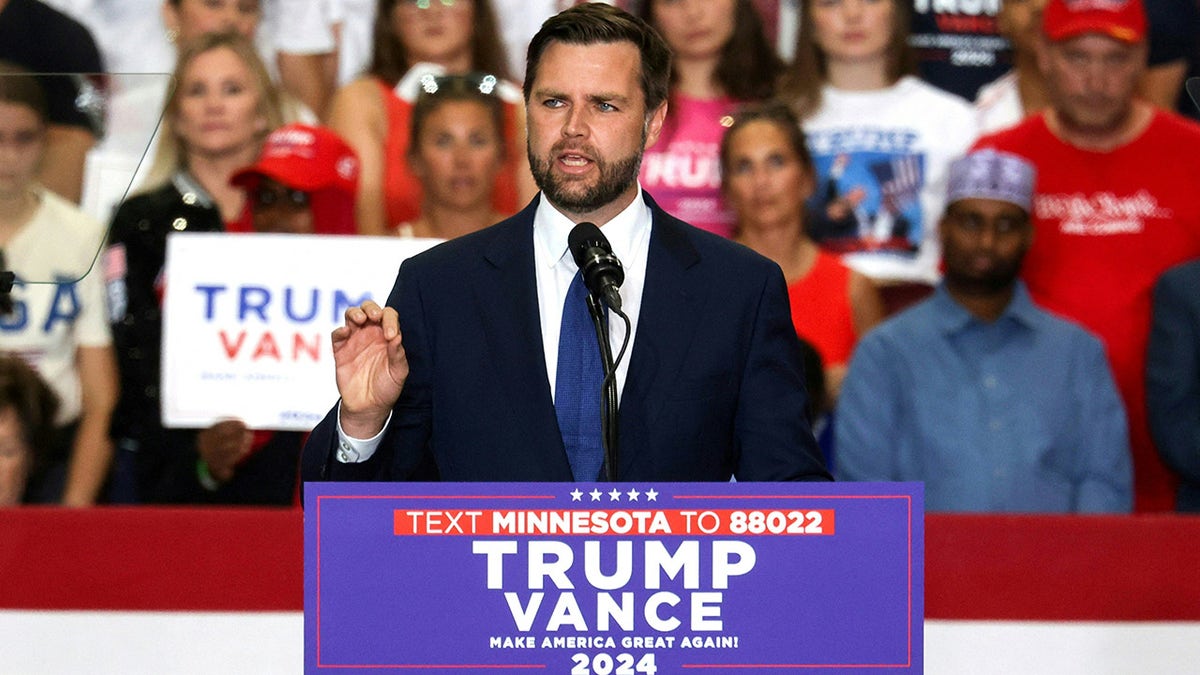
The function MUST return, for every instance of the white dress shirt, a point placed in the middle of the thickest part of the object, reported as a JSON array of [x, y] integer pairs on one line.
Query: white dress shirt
[[629, 235]]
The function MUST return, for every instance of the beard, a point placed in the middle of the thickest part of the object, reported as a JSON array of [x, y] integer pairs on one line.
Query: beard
[[1000, 277], [1095, 119], [573, 195]]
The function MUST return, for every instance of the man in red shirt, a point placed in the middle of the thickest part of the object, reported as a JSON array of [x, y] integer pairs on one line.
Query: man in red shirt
[[1116, 200]]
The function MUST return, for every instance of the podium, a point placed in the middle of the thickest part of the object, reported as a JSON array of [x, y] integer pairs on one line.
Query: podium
[[613, 578]]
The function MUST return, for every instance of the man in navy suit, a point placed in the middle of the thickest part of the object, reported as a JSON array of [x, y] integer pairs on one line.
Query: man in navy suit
[[456, 376], [1173, 378]]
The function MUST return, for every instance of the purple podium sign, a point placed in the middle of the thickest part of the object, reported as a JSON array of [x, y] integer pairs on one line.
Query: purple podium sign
[[613, 579]]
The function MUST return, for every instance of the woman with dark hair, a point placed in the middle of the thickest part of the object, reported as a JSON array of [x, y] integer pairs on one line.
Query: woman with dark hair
[[881, 139], [767, 174], [28, 407], [456, 151], [719, 57], [54, 318], [412, 39]]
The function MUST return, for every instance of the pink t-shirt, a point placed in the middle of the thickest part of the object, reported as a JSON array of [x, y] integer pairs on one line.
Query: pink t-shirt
[[682, 171]]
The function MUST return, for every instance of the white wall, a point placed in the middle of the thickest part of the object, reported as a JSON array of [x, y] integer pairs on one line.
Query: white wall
[[130, 643]]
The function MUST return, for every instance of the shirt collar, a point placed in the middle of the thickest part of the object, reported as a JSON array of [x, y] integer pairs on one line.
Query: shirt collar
[[551, 228], [951, 317], [192, 191]]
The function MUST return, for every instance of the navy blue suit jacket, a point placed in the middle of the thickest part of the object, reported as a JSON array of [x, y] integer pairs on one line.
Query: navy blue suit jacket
[[1173, 378], [715, 385]]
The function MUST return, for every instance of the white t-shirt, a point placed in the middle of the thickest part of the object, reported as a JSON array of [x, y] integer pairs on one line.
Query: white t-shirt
[[51, 319], [885, 154], [998, 105], [355, 21], [308, 28]]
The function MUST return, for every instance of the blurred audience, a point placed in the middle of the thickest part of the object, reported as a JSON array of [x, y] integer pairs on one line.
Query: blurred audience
[[190, 20], [374, 113], [961, 46], [1171, 39], [43, 40], [213, 125], [1022, 90], [1111, 213], [719, 57], [456, 150], [56, 322], [994, 403], [142, 36], [307, 50], [28, 407], [768, 174], [429, 142], [958, 45], [1173, 378], [120, 164], [880, 138], [303, 182]]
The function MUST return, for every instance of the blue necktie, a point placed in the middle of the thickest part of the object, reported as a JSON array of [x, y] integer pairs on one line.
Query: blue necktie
[[577, 385]]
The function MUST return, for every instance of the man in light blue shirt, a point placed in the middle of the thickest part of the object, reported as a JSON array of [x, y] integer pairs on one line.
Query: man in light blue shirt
[[994, 403]]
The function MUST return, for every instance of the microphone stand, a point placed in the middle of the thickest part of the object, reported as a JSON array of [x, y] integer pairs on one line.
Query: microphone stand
[[609, 417]]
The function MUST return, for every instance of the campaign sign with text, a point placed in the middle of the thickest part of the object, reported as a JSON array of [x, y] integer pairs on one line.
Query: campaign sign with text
[[247, 318], [613, 579]]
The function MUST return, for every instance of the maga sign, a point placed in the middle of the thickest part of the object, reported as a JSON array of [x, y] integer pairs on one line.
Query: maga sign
[[607, 579], [247, 317]]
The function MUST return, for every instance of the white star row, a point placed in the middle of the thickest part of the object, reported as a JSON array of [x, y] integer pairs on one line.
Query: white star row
[[614, 495]]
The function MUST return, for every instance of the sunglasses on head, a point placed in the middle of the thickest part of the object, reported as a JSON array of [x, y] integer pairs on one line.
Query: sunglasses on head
[[483, 83]]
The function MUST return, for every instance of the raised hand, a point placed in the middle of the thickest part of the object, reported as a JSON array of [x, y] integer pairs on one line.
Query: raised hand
[[371, 367]]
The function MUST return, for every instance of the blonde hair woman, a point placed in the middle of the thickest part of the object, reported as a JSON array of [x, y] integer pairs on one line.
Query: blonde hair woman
[[222, 108]]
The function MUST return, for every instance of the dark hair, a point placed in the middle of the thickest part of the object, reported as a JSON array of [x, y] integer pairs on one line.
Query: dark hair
[[748, 67], [814, 381], [773, 112], [598, 23], [20, 87], [474, 88], [35, 404], [801, 84], [389, 60]]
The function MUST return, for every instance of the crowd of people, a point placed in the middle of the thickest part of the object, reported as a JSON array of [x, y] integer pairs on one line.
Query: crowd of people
[[988, 251]]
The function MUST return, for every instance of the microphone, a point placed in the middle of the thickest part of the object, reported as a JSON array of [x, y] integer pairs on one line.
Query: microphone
[[602, 271]]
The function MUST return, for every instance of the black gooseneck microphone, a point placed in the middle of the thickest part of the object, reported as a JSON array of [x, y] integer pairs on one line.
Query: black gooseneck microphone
[[602, 271], [602, 275]]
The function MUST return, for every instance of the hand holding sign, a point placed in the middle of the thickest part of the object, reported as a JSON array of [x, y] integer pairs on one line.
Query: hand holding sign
[[222, 446], [371, 367]]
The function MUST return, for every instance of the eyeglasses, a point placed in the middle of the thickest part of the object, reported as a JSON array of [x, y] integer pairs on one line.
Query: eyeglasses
[[266, 197]]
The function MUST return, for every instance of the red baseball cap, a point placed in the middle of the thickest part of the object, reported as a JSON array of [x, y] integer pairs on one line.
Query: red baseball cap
[[304, 157], [1123, 20]]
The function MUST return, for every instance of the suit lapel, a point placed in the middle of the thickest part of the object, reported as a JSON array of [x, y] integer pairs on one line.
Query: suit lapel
[[667, 321], [508, 310]]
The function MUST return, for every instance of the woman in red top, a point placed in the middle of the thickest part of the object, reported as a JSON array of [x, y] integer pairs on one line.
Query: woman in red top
[[414, 41], [767, 175], [457, 151]]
